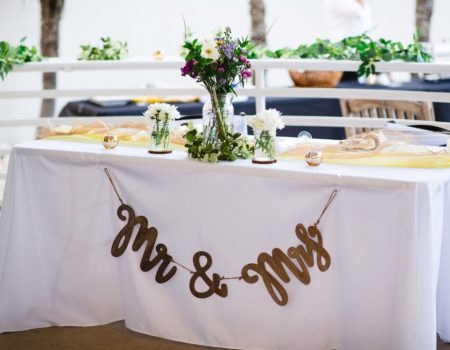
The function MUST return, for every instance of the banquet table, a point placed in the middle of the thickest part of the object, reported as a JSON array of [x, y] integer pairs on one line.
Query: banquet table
[[387, 233]]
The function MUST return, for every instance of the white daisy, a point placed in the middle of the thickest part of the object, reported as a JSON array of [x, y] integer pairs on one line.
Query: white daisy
[[256, 122], [209, 50], [267, 120], [162, 112]]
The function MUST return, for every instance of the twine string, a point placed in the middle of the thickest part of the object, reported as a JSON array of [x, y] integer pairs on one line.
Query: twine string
[[182, 266], [330, 200], [112, 184], [223, 278]]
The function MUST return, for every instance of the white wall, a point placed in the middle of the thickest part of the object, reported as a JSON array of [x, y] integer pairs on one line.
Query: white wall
[[148, 25]]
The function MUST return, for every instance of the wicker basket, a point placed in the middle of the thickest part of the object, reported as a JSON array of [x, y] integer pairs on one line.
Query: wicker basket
[[315, 78]]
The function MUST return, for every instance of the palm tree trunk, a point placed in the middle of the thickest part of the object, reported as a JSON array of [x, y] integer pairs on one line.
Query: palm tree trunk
[[50, 18], [257, 14], [424, 12]]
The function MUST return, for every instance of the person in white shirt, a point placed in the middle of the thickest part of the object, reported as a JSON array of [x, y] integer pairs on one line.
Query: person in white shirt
[[348, 18]]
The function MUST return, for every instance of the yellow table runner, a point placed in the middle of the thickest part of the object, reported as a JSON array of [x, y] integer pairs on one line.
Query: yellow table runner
[[407, 156]]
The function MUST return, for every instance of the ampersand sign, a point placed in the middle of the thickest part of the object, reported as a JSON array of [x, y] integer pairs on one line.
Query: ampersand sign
[[214, 285]]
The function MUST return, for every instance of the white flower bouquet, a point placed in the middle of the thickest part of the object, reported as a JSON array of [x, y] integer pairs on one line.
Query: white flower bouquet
[[268, 120], [264, 125], [161, 114]]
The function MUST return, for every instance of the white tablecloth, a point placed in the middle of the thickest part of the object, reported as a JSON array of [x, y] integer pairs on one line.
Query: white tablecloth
[[384, 232]]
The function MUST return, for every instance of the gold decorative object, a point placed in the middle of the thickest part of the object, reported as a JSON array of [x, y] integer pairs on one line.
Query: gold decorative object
[[297, 260], [309, 251], [145, 235], [110, 141], [214, 284], [314, 157], [158, 55], [271, 268]]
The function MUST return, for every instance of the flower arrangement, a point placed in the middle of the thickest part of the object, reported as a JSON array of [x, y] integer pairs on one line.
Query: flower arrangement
[[264, 126], [216, 64], [162, 112], [160, 115], [220, 65]]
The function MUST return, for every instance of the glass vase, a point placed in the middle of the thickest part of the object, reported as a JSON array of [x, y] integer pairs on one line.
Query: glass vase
[[217, 108], [160, 137], [265, 147]]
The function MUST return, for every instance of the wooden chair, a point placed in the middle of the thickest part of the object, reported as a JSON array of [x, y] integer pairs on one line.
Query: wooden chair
[[385, 109]]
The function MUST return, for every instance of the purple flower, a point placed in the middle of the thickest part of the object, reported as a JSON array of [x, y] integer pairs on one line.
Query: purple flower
[[243, 59], [246, 74], [228, 52], [228, 49], [187, 69], [221, 69]]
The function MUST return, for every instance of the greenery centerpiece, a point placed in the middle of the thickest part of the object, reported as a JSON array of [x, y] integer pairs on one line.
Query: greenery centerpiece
[[265, 125], [109, 51], [160, 115], [356, 48], [11, 56], [220, 65]]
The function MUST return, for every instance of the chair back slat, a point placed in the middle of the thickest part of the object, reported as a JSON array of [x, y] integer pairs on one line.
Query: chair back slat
[[385, 109]]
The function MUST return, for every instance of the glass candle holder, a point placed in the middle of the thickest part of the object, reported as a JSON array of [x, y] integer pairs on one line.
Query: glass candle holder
[[265, 147], [160, 137], [110, 141]]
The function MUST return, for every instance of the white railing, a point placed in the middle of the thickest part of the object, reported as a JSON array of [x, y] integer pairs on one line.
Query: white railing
[[260, 90]]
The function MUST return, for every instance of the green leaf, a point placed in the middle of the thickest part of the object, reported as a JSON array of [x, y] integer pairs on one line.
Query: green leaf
[[213, 158], [190, 136], [109, 50]]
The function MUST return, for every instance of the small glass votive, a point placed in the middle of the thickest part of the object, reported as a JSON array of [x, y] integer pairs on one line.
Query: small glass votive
[[304, 137], [314, 157], [110, 141]]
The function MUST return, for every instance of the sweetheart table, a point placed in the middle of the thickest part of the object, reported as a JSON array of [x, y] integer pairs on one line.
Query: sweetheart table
[[379, 279]]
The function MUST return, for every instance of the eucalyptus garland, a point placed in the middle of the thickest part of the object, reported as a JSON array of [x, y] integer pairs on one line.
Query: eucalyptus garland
[[16, 55], [357, 48], [109, 51]]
